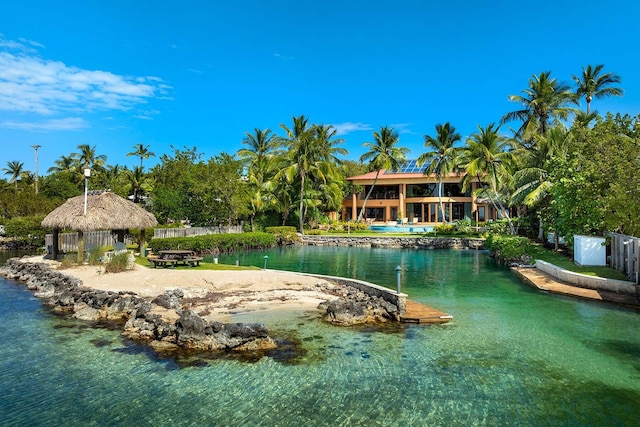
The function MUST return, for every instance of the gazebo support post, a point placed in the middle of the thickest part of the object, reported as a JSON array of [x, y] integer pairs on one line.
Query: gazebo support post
[[80, 247], [142, 243], [55, 243]]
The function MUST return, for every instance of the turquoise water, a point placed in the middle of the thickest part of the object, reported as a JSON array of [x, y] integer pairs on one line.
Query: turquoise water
[[511, 356]]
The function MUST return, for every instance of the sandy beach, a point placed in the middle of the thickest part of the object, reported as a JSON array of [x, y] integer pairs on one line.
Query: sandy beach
[[215, 294]]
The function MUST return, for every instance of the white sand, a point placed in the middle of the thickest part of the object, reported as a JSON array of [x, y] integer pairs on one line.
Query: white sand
[[218, 293]]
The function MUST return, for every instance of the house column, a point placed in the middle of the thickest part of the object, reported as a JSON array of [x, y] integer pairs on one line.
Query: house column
[[354, 207], [402, 207]]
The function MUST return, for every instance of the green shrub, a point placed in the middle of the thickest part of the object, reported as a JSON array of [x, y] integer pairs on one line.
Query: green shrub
[[500, 226], [69, 261], [117, 263], [314, 232], [445, 229], [285, 235], [216, 243], [348, 226], [27, 229], [509, 249], [95, 255]]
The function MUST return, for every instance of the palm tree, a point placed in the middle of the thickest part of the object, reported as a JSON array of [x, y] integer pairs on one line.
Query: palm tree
[[14, 169], [138, 183], [303, 154], [141, 151], [485, 157], [546, 99], [260, 166], [591, 84], [63, 164], [533, 183], [442, 157], [88, 159], [382, 154]]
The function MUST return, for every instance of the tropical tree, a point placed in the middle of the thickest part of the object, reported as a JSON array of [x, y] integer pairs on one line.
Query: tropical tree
[[592, 83], [533, 181], [88, 159], [142, 151], [487, 156], [303, 155], [441, 158], [14, 169], [63, 164], [383, 153], [260, 167], [137, 182], [545, 101]]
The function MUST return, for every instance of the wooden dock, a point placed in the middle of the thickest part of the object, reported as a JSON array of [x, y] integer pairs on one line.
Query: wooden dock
[[419, 313], [545, 282]]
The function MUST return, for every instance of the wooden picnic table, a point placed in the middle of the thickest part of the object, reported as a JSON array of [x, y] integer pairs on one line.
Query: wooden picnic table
[[174, 257]]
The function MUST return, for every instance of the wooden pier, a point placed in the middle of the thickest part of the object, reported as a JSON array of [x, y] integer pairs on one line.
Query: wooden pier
[[419, 313]]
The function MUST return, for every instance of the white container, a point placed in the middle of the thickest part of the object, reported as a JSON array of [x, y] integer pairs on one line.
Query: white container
[[589, 250]]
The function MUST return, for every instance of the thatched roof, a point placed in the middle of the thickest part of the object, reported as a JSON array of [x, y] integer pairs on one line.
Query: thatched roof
[[105, 211]]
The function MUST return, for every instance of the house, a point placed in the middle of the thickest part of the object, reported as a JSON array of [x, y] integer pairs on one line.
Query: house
[[412, 196]]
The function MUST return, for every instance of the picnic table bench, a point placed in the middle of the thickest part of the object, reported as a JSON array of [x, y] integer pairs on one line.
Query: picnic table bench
[[172, 258]]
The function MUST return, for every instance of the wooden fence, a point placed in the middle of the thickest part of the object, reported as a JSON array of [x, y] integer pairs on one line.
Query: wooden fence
[[625, 254], [68, 242], [162, 233]]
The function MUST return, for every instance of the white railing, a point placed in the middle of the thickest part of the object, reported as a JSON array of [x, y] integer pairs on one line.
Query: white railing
[[162, 233]]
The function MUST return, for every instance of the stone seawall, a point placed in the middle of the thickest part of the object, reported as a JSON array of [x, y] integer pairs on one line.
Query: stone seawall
[[395, 242]]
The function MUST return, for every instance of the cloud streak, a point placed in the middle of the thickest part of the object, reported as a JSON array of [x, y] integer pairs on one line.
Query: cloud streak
[[71, 123], [348, 127], [32, 84]]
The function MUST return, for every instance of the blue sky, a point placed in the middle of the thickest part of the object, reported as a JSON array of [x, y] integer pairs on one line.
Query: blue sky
[[202, 73]]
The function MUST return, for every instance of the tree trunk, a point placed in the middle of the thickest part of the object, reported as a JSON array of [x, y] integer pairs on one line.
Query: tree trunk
[[506, 213], [302, 176], [444, 218], [364, 204]]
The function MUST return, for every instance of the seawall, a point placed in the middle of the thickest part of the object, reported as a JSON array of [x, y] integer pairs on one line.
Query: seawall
[[445, 242]]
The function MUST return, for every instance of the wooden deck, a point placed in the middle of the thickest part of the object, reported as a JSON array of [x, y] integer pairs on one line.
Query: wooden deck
[[547, 283], [419, 313]]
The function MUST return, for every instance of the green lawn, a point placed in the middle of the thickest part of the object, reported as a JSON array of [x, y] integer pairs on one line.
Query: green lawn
[[552, 257], [203, 266]]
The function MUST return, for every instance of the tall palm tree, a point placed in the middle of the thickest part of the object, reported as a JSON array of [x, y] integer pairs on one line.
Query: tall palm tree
[[87, 158], [141, 151], [303, 155], [383, 153], [592, 84], [441, 158], [258, 157], [14, 169], [138, 183], [544, 101], [485, 157], [63, 164], [532, 181]]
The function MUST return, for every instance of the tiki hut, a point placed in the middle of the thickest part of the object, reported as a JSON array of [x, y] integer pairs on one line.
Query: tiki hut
[[104, 211]]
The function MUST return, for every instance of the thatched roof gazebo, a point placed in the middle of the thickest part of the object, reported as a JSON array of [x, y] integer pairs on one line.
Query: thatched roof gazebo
[[104, 211]]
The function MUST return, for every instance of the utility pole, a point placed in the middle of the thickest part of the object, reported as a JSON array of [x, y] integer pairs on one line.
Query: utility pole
[[35, 147]]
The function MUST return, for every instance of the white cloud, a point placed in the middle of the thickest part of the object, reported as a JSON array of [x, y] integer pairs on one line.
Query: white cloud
[[32, 84], [283, 57], [71, 123], [348, 127], [403, 128]]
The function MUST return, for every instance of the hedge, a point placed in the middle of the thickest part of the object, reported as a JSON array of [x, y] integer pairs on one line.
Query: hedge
[[509, 249], [216, 243]]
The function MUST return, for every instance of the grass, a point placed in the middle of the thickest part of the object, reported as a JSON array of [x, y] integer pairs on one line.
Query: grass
[[203, 266], [560, 260]]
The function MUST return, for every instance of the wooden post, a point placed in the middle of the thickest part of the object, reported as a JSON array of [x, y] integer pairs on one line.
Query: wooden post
[[80, 247], [55, 241]]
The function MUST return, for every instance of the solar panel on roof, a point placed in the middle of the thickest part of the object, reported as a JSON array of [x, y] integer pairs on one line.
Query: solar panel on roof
[[410, 166]]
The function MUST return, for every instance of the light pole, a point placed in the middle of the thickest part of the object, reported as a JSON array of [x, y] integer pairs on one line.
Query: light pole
[[398, 270], [35, 147], [266, 257], [87, 174]]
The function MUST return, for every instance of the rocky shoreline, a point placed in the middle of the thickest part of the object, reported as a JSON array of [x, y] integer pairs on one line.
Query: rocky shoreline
[[170, 322], [446, 242]]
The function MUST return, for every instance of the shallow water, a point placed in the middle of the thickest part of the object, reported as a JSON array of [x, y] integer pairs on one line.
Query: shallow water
[[511, 356]]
